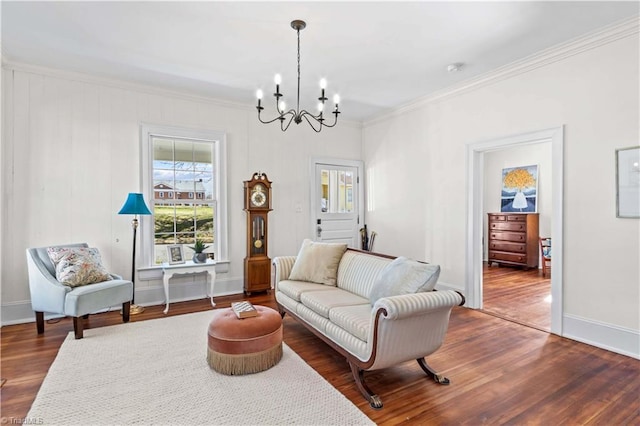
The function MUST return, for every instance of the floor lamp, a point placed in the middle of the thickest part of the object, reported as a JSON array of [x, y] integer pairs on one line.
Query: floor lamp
[[134, 205]]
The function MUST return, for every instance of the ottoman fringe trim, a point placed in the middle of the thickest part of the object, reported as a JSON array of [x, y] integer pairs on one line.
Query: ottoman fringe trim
[[231, 364]]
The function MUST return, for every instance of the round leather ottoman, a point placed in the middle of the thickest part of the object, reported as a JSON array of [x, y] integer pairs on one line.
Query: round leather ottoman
[[243, 346]]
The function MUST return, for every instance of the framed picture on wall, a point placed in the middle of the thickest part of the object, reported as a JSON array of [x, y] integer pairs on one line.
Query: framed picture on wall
[[519, 189], [175, 253], [628, 182]]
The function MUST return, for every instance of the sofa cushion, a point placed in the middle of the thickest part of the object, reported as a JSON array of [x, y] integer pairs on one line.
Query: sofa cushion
[[358, 271], [354, 319], [294, 289], [404, 276], [78, 266], [349, 342], [322, 302], [317, 262]]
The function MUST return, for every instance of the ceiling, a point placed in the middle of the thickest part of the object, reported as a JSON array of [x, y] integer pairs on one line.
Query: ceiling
[[376, 55]]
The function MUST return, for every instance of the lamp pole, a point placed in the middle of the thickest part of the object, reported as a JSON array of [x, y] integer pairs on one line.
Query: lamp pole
[[134, 224], [134, 205]]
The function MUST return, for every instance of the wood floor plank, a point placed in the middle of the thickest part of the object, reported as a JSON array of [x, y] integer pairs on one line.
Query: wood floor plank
[[501, 372], [519, 295]]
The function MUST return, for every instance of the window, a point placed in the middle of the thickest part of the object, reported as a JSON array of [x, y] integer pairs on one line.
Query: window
[[184, 162], [337, 191]]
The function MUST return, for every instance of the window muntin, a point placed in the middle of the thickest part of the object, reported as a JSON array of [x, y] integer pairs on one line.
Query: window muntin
[[183, 168]]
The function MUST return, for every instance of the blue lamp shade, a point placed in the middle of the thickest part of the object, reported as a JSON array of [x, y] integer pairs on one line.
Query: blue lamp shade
[[134, 205]]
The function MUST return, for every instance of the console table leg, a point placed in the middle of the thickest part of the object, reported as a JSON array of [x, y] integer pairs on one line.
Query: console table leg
[[170, 271], [212, 276], [165, 280]]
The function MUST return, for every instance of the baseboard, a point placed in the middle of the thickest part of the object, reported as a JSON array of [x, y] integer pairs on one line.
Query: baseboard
[[613, 338], [19, 313], [179, 291]]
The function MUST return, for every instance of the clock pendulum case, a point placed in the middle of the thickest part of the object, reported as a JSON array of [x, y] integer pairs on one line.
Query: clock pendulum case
[[257, 204]]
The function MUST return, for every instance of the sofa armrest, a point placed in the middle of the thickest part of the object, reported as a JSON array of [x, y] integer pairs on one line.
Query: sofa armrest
[[410, 326], [47, 294], [407, 305], [283, 266]]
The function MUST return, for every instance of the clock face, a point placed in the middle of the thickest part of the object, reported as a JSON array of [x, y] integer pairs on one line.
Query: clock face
[[258, 196]]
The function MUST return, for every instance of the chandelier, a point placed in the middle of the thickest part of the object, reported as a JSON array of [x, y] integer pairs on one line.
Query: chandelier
[[317, 122]]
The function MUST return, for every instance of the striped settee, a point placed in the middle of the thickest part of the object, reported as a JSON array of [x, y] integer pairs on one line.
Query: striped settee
[[394, 330]]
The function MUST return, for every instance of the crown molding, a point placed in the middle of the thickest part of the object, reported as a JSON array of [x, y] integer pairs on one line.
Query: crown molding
[[115, 83], [605, 35]]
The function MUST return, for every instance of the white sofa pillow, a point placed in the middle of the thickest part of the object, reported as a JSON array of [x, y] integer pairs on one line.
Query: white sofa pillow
[[404, 276], [318, 262]]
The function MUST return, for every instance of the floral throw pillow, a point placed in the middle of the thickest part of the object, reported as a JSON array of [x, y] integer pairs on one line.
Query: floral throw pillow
[[78, 266]]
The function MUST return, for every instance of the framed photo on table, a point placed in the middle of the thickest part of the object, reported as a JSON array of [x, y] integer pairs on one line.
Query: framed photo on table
[[628, 182], [175, 253]]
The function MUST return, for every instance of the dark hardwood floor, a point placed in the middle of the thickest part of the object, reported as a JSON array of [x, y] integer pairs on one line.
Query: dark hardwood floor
[[501, 372], [519, 295]]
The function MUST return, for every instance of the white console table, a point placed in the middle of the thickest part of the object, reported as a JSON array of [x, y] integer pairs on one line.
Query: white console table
[[189, 267]]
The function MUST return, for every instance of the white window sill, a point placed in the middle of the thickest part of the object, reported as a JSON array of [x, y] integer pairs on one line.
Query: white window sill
[[151, 273]]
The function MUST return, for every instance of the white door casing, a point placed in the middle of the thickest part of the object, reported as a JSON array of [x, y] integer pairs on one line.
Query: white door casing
[[475, 172], [337, 200]]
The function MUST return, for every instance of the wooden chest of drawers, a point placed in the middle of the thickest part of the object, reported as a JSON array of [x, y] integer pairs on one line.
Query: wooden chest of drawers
[[513, 239]]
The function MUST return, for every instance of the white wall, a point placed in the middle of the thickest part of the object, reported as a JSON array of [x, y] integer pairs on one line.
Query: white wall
[[72, 153], [415, 160], [494, 161]]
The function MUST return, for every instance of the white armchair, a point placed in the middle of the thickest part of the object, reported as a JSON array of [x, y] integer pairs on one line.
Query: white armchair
[[49, 295]]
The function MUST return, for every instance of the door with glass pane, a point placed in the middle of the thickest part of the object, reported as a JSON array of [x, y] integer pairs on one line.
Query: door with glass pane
[[336, 204]]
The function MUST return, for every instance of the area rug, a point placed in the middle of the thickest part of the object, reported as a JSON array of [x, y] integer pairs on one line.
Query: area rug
[[156, 372]]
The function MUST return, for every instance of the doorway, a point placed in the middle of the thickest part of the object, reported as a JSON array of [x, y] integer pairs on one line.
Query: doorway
[[514, 292], [475, 189], [336, 200]]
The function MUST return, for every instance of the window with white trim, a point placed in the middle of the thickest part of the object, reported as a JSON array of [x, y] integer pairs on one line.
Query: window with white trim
[[182, 163]]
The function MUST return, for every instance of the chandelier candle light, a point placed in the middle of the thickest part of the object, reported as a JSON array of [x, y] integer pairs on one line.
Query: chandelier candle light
[[317, 122]]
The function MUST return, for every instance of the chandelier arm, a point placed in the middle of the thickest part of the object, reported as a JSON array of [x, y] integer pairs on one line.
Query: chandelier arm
[[284, 128], [315, 117], [324, 120], [335, 121], [318, 118], [279, 117], [306, 117], [267, 122]]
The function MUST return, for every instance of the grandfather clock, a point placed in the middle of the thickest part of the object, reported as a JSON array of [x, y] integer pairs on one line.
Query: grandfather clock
[[257, 204]]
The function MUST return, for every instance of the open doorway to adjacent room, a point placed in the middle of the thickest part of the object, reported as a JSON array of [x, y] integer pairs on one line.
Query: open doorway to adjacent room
[[507, 291], [519, 293]]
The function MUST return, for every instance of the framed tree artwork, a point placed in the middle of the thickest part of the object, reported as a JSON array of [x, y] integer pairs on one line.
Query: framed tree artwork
[[519, 189]]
